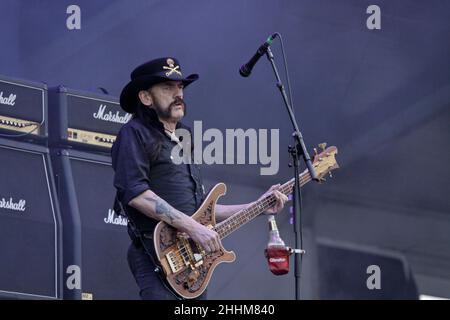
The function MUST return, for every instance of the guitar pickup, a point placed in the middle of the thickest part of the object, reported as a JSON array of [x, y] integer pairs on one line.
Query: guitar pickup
[[198, 259]]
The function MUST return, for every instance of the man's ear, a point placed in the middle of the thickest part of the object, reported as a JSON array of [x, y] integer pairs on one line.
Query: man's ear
[[146, 98]]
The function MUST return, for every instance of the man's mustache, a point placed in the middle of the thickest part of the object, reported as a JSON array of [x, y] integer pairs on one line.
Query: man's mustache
[[177, 101]]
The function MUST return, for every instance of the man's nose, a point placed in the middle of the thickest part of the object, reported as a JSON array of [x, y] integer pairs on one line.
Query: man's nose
[[179, 93]]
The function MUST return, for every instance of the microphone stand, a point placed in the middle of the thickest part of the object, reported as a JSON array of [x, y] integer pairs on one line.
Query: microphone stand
[[295, 152]]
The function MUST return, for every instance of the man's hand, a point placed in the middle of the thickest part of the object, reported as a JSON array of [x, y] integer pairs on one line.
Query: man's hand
[[280, 199], [207, 238]]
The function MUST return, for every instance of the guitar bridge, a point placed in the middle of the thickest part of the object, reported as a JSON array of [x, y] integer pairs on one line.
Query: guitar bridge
[[187, 254], [174, 261]]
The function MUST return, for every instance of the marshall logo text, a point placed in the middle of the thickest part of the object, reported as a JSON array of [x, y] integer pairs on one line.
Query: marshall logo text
[[9, 101], [11, 205], [115, 219], [110, 116]]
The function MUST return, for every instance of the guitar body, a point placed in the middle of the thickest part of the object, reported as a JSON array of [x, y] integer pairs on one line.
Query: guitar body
[[187, 267]]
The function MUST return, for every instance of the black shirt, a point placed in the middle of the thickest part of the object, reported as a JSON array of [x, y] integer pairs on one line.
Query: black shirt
[[139, 167]]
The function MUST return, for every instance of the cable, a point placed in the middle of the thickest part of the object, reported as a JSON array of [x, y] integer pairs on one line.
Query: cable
[[27, 125], [25, 133]]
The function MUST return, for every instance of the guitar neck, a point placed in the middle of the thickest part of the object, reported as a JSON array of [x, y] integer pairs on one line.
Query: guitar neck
[[240, 218]]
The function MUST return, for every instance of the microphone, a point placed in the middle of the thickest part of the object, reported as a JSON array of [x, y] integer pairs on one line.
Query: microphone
[[277, 253], [246, 69]]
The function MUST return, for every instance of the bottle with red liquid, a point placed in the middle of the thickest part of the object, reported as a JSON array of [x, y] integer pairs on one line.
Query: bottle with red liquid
[[277, 253]]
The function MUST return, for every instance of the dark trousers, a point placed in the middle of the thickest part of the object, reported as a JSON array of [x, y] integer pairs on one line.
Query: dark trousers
[[150, 284]]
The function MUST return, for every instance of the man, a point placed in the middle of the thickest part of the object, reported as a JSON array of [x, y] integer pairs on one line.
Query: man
[[150, 187]]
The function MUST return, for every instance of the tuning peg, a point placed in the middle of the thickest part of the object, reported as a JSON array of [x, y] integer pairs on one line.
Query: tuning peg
[[323, 146]]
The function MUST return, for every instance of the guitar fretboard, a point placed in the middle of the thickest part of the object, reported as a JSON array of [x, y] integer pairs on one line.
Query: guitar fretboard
[[240, 218]]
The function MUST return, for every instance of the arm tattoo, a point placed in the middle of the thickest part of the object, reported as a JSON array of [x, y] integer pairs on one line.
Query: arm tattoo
[[163, 209]]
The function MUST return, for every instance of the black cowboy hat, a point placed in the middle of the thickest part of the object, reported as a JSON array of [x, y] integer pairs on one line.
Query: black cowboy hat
[[148, 74]]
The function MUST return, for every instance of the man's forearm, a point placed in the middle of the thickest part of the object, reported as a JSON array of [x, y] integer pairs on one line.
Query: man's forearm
[[225, 211], [157, 208], [154, 207]]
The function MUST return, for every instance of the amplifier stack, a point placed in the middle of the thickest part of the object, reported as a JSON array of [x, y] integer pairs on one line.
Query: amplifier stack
[[59, 235], [83, 127], [30, 221]]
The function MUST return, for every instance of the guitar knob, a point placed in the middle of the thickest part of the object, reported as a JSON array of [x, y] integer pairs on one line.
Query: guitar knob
[[330, 174], [323, 146]]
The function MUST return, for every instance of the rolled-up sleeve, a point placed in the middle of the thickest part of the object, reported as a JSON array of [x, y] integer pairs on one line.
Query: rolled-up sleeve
[[131, 164]]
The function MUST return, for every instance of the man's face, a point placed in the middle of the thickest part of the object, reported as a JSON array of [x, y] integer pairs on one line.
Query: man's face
[[167, 100]]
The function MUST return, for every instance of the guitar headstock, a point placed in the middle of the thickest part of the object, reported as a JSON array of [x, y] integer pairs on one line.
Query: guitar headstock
[[325, 161]]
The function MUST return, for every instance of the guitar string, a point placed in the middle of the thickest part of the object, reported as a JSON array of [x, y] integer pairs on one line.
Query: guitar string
[[249, 213], [286, 188]]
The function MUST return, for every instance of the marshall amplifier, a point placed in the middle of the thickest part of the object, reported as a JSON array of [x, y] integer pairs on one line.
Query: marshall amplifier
[[83, 120], [30, 224], [23, 110], [95, 239]]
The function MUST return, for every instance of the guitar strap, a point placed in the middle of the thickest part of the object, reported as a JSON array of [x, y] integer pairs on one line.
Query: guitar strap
[[145, 240]]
